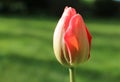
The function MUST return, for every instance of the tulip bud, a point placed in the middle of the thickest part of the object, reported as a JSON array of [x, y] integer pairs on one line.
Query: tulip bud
[[71, 40]]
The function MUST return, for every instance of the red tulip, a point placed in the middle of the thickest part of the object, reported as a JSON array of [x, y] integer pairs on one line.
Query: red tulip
[[72, 40]]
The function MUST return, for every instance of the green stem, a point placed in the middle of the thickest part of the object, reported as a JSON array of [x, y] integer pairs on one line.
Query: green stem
[[72, 74]]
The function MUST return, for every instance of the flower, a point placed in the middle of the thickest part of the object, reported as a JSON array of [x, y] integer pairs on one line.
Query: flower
[[71, 40]]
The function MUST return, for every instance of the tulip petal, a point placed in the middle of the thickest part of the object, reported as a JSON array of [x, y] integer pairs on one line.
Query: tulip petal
[[59, 32], [89, 37], [89, 40], [67, 14], [76, 40]]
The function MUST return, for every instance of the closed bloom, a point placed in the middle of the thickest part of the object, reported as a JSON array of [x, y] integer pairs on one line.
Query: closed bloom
[[71, 40]]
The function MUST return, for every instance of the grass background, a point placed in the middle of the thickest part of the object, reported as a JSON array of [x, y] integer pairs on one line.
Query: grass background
[[26, 53]]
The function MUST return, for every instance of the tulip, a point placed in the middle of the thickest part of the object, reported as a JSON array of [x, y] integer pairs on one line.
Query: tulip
[[71, 40]]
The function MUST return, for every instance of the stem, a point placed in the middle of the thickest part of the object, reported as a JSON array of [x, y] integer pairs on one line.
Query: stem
[[72, 74]]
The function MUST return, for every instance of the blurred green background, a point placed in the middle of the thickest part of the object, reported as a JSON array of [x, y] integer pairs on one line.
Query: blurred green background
[[26, 32]]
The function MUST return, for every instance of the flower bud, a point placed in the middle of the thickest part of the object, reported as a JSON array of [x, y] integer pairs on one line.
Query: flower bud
[[71, 40]]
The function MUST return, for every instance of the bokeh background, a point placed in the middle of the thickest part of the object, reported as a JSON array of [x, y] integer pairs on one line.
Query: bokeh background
[[26, 32]]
